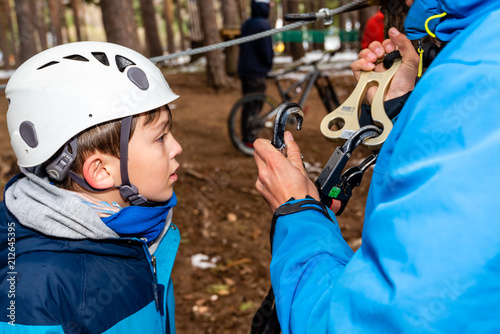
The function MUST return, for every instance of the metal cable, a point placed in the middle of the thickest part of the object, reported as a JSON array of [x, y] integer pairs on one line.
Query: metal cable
[[329, 13], [223, 45]]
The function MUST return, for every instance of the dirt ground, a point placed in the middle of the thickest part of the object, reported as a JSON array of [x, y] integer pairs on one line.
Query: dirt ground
[[220, 214]]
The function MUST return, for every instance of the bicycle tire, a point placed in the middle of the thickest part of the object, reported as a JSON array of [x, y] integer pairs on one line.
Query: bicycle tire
[[331, 96], [328, 95], [262, 124]]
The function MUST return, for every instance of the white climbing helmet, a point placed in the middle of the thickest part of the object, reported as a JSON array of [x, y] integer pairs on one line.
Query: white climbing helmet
[[67, 89]]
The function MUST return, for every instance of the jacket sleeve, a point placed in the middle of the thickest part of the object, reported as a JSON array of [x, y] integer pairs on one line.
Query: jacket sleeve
[[429, 260], [309, 254]]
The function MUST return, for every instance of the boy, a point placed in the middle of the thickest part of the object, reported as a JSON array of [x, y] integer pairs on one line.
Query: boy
[[87, 244]]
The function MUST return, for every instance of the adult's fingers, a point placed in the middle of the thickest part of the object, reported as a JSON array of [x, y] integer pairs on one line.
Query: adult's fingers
[[293, 152], [259, 150], [361, 65], [377, 48]]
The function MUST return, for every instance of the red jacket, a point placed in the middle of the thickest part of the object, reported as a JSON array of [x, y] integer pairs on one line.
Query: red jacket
[[374, 30]]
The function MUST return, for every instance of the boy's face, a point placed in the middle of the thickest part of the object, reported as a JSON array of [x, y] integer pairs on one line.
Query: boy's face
[[152, 153]]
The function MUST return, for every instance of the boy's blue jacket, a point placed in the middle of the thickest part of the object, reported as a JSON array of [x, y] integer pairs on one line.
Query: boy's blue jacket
[[430, 255], [56, 285]]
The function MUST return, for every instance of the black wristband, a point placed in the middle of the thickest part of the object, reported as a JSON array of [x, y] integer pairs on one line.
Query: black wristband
[[288, 208]]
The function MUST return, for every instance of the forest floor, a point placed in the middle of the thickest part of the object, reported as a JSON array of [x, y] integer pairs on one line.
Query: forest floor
[[220, 214]]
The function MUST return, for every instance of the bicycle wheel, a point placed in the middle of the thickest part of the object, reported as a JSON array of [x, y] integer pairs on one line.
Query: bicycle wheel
[[328, 95], [261, 124], [331, 97]]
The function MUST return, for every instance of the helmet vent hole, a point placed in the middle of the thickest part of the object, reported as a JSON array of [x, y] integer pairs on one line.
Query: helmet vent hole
[[101, 56], [76, 57], [122, 63], [48, 64], [90, 115]]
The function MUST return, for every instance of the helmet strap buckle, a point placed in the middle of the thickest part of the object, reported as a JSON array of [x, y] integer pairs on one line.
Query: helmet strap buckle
[[130, 192], [58, 169]]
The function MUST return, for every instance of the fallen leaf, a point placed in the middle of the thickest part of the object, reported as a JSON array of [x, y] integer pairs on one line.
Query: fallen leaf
[[238, 262], [219, 289], [246, 306]]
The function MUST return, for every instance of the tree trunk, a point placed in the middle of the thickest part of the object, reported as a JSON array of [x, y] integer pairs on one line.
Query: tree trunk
[[64, 24], [153, 43], [180, 22], [55, 18], [243, 7], [231, 26], [342, 18], [119, 23], [7, 11], [26, 29], [215, 65], [296, 49], [169, 22], [77, 15], [39, 18], [319, 26], [355, 42], [3, 40]]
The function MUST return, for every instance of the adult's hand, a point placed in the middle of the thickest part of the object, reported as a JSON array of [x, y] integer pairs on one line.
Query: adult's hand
[[404, 79], [280, 177]]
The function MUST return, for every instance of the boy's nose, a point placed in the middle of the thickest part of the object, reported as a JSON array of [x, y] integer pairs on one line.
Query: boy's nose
[[177, 148]]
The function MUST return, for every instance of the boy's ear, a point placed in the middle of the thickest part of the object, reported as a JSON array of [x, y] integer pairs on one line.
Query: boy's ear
[[98, 172]]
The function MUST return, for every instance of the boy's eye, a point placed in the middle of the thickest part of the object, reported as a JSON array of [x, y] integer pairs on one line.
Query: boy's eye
[[162, 137]]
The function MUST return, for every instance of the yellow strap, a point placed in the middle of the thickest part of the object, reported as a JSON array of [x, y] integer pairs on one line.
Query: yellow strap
[[421, 63], [430, 19]]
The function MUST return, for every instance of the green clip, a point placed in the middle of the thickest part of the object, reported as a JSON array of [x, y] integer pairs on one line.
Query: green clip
[[334, 192]]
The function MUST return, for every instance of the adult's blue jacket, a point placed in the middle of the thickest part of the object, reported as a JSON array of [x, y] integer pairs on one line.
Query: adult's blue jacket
[[256, 57], [430, 255], [57, 285]]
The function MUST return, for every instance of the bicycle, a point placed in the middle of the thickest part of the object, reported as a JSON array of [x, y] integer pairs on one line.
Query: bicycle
[[263, 122]]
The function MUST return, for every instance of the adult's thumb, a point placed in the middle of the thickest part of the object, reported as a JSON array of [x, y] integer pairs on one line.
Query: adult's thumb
[[404, 46]]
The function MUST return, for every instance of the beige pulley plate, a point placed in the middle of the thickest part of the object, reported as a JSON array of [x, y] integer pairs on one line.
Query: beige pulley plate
[[348, 112]]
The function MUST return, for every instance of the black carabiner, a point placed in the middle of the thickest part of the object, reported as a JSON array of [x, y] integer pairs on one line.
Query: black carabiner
[[331, 183], [284, 110]]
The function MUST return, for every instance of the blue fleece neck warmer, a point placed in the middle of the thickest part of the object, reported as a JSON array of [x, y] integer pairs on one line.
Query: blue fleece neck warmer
[[460, 15], [140, 221]]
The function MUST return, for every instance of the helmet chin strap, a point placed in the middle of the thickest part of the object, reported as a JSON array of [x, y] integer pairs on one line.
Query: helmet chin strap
[[127, 189]]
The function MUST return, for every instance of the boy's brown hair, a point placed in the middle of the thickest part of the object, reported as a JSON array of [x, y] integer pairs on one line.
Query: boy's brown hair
[[105, 139]]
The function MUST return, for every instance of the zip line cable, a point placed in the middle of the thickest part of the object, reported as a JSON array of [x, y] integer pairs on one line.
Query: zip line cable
[[323, 14]]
